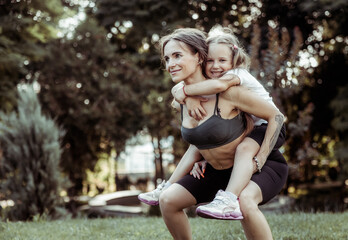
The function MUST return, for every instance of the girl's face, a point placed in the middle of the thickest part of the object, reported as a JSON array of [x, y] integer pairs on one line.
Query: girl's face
[[180, 62], [219, 60]]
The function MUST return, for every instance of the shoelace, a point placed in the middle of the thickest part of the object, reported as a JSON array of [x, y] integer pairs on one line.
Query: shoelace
[[218, 199], [159, 188]]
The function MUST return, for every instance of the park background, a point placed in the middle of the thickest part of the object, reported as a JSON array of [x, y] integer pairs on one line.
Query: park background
[[85, 102]]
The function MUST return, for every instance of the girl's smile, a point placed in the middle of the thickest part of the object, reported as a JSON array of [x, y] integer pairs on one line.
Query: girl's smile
[[219, 60]]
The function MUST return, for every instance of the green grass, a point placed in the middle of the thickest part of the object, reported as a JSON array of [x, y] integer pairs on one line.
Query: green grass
[[284, 226]]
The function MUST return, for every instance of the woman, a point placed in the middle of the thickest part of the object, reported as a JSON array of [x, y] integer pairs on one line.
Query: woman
[[216, 138]]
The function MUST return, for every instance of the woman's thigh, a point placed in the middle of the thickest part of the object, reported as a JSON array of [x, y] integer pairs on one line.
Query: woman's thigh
[[271, 179], [251, 193]]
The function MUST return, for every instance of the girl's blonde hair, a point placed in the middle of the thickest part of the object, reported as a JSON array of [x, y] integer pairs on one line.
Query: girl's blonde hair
[[224, 35], [240, 59]]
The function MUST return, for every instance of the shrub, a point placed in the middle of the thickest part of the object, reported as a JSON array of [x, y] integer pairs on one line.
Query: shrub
[[29, 167]]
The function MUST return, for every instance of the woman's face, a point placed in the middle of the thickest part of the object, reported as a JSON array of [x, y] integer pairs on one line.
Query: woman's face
[[219, 60], [180, 62]]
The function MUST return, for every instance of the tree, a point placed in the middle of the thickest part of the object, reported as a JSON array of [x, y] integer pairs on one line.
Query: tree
[[125, 21], [156, 123], [24, 27], [324, 44], [340, 106], [116, 15], [114, 52], [30, 174], [95, 93]]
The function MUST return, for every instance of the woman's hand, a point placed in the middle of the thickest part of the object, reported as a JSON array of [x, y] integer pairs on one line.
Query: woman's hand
[[199, 169], [195, 108]]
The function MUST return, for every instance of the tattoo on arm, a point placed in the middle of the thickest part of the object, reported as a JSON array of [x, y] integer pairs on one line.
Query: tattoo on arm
[[279, 120]]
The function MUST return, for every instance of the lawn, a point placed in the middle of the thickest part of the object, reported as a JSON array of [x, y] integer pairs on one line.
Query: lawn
[[284, 226]]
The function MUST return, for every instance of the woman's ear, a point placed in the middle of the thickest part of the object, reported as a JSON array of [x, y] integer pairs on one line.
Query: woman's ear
[[199, 59]]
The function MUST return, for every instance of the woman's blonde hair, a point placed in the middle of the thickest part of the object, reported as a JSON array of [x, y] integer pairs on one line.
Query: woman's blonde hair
[[224, 35]]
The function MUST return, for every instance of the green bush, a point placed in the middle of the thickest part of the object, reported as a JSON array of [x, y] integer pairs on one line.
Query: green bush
[[29, 169]]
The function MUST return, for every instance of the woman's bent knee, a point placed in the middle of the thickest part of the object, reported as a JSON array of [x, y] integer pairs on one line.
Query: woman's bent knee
[[248, 203], [176, 198], [168, 200], [165, 200]]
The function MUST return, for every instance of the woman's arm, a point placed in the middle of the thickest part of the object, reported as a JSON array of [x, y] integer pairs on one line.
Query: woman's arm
[[191, 156], [249, 102]]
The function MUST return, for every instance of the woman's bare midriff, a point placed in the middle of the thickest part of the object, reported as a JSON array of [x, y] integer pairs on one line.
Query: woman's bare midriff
[[222, 157]]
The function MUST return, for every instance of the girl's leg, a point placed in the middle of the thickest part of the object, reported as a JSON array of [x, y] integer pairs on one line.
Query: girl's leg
[[225, 204], [243, 166], [254, 223], [173, 201]]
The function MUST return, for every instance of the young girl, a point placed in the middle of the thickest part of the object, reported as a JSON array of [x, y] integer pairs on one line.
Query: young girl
[[225, 53]]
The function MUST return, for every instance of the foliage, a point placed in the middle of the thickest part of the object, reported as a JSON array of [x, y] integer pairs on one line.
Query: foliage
[[340, 123], [116, 16], [284, 226], [326, 44], [277, 66], [24, 26], [279, 35], [29, 168], [95, 93], [96, 79]]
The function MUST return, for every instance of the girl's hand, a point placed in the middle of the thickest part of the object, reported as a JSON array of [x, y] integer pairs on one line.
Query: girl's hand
[[199, 169], [194, 107]]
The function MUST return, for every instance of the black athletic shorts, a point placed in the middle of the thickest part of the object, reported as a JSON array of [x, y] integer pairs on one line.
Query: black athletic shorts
[[270, 180], [258, 134]]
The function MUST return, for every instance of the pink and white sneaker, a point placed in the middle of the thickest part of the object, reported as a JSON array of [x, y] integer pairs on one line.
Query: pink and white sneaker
[[152, 198], [222, 207]]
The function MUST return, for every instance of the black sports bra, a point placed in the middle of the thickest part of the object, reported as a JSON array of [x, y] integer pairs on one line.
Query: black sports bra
[[215, 131]]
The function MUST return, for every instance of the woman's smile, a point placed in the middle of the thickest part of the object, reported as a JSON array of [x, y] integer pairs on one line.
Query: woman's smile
[[180, 62], [173, 72]]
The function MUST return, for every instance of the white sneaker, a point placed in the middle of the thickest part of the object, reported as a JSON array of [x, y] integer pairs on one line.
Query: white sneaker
[[152, 198], [222, 207]]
